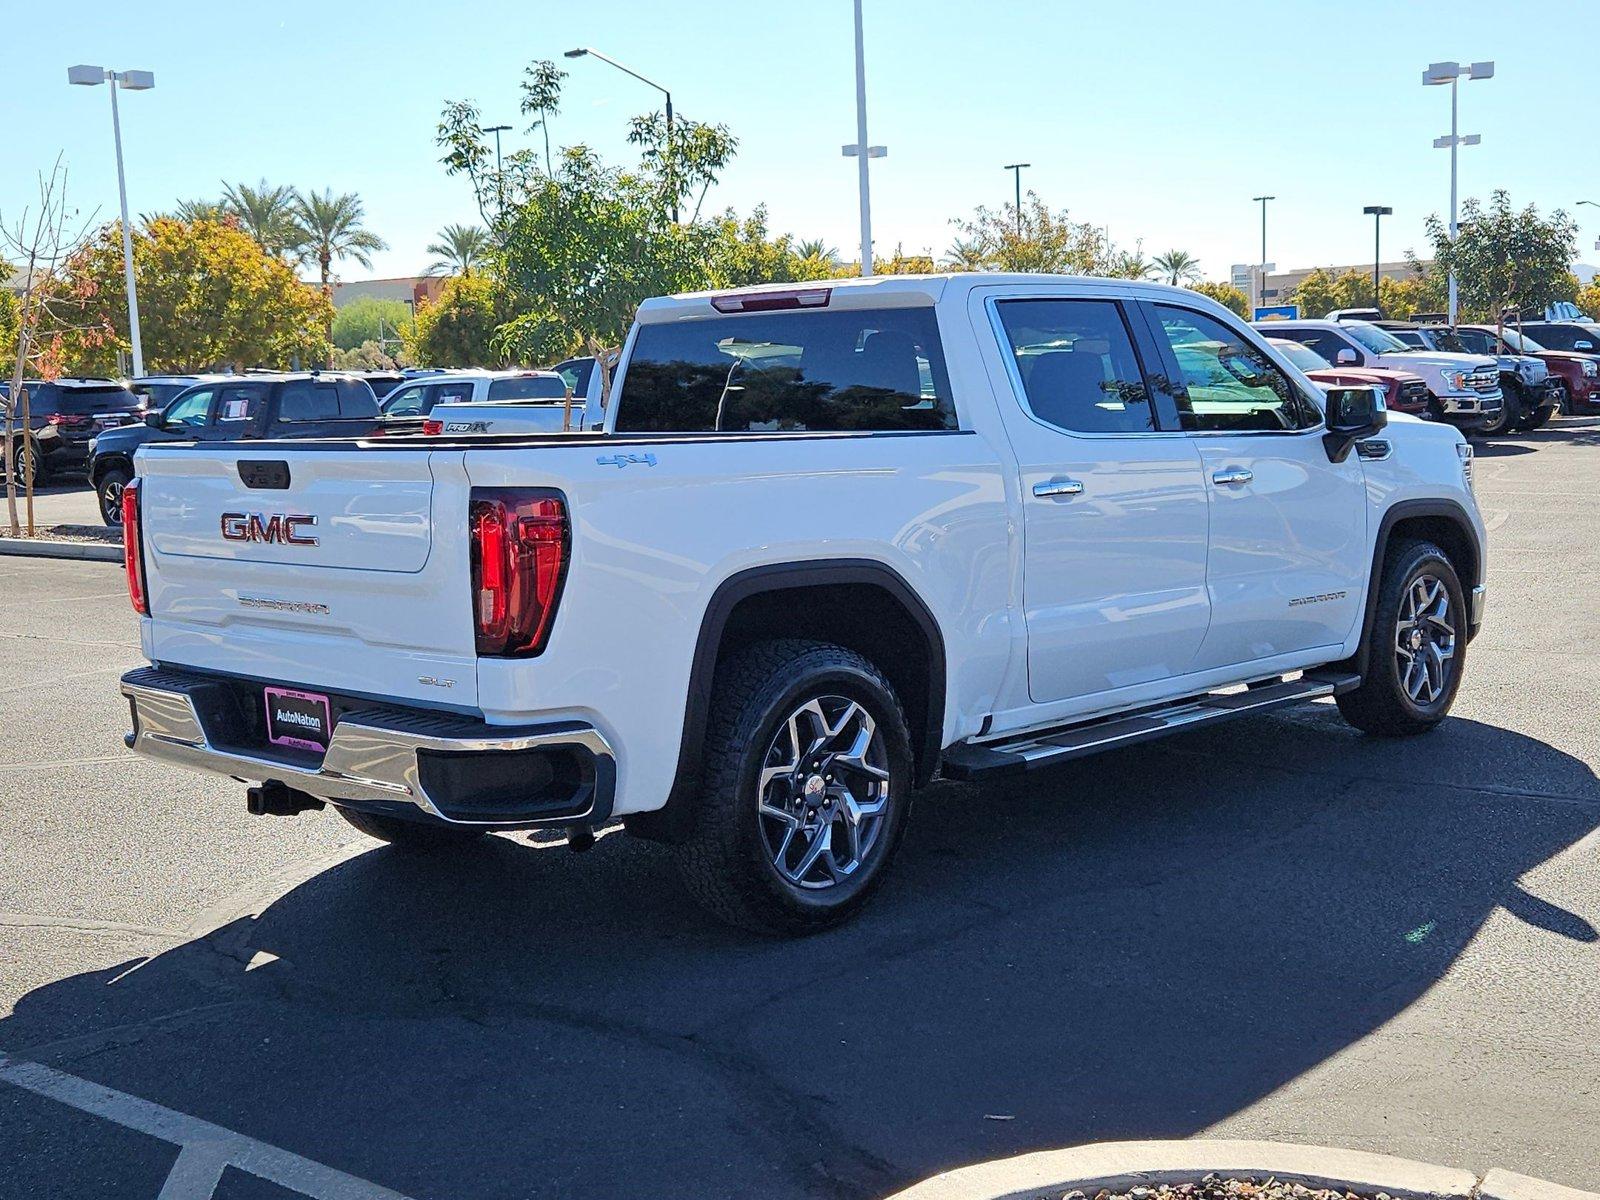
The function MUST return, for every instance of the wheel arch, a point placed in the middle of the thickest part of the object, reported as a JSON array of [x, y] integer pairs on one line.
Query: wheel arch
[[862, 604], [1441, 521], [107, 462]]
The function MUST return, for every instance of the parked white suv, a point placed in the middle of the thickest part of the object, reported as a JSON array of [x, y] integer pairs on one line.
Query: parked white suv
[[832, 541], [1465, 388]]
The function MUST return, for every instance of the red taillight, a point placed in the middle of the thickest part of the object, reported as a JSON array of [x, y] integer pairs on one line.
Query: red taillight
[[432, 428], [68, 421], [519, 559], [133, 548]]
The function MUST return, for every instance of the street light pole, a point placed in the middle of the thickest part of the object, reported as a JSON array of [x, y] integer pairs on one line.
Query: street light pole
[[133, 81], [862, 150], [1261, 288], [591, 52], [1377, 212], [1448, 72], [497, 130], [1016, 171]]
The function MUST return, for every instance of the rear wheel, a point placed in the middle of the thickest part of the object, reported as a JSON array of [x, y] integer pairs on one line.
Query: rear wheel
[[26, 462], [109, 492], [1416, 645], [411, 835], [806, 787]]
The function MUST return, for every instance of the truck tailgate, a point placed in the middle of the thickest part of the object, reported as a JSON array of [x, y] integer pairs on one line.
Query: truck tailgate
[[312, 567]]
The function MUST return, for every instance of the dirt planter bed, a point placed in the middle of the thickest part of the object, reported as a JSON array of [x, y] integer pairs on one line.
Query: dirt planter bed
[[1216, 1169]]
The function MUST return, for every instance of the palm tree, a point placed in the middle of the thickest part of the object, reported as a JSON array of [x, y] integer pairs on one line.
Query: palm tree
[[815, 248], [459, 249], [190, 211], [1131, 265], [329, 227], [266, 213], [1179, 266], [966, 255]]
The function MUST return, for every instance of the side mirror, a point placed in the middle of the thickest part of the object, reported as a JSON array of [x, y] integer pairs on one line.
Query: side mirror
[[1352, 413], [156, 419], [1346, 358]]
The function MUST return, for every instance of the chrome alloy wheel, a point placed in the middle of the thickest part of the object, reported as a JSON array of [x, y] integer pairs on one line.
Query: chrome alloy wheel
[[1425, 640], [823, 796]]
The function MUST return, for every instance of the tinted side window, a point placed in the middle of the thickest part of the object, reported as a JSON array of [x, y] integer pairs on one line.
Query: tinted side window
[[819, 370], [308, 402], [1230, 385], [238, 405], [1475, 340], [407, 402], [528, 387], [448, 393], [357, 399], [1077, 363], [191, 408]]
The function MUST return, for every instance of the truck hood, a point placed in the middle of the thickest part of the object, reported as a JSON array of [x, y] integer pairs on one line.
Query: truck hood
[[1437, 360]]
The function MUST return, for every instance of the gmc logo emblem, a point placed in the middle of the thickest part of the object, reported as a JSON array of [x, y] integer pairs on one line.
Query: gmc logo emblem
[[258, 527]]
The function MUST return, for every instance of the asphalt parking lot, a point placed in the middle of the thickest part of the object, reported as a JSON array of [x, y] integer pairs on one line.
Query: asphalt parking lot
[[1276, 928]]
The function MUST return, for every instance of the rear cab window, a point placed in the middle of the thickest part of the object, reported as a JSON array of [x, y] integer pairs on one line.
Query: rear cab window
[[85, 401], [238, 405], [839, 370], [528, 387], [306, 401]]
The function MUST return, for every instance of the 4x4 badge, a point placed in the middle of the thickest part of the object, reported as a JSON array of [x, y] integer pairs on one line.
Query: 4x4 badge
[[626, 460]]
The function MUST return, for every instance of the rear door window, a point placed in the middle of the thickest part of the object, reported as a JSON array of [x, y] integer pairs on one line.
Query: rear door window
[[879, 369], [357, 399], [82, 401], [448, 393], [308, 402], [1077, 364], [238, 405]]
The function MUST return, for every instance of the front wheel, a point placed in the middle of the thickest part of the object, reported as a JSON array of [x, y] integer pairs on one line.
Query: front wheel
[[109, 492], [806, 787], [1502, 421], [1416, 645], [1536, 418]]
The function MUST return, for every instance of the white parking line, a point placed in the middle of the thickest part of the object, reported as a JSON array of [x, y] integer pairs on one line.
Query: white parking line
[[207, 1149]]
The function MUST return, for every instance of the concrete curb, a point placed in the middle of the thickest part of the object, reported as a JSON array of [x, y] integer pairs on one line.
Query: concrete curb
[[1118, 1166], [45, 548]]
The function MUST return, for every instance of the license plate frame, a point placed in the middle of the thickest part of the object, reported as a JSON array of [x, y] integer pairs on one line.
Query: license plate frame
[[298, 719]]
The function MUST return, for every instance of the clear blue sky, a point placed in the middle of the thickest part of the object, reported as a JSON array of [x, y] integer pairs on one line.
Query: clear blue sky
[[1158, 119]]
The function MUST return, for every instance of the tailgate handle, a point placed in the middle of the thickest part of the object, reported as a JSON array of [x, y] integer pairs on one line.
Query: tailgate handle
[[267, 474]]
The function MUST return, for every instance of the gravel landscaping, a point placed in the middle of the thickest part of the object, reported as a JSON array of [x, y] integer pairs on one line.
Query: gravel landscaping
[[1214, 1187]]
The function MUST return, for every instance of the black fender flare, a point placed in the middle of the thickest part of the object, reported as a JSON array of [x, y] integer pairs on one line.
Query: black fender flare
[[106, 462], [671, 822], [1400, 511]]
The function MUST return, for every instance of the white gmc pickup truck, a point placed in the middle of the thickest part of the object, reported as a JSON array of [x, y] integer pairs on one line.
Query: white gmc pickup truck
[[831, 541]]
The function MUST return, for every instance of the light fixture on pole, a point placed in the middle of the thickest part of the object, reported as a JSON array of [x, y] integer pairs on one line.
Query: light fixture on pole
[[860, 150], [1377, 212], [1261, 288], [1436, 75], [497, 130], [1016, 171], [591, 52], [131, 81]]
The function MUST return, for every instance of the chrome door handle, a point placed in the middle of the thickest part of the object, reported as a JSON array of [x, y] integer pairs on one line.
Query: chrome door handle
[[1237, 477], [1058, 487]]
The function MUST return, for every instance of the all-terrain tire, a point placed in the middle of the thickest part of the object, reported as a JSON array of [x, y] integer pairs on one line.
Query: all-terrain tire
[[1388, 703], [727, 862]]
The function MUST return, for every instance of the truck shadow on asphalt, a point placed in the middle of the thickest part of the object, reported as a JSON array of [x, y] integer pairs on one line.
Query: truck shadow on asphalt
[[1134, 946]]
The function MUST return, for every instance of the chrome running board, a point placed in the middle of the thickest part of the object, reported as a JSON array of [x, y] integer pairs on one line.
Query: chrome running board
[[1044, 748]]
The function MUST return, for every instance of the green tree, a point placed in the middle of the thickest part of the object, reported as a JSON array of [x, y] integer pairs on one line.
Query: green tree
[[457, 328], [1126, 264], [370, 319], [1588, 299], [1178, 266], [209, 297], [200, 210], [965, 254], [266, 213], [458, 250], [1040, 241], [10, 314], [541, 93], [1225, 294], [328, 227], [1322, 292], [1505, 258]]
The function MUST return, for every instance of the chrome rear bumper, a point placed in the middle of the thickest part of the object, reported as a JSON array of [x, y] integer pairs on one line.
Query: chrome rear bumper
[[405, 761]]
